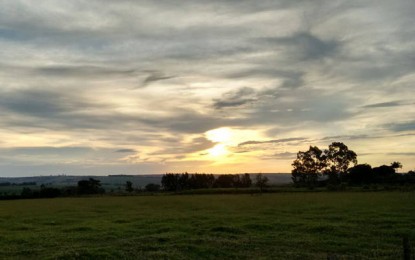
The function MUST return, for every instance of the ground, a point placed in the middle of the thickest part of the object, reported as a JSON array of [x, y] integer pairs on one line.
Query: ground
[[368, 225]]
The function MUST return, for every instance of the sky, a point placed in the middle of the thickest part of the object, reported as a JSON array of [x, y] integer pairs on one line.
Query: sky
[[92, 87]]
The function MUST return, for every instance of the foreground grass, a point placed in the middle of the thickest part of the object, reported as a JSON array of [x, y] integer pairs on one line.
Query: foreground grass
[[277, 226]]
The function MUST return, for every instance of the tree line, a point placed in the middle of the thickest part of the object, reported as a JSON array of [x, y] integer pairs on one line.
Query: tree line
[[186, 181], [84, 187], [338, 165]]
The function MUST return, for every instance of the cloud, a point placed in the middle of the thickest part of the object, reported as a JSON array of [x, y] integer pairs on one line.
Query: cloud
[[384, 104], [82, 71], [283, 156], [236, 98], [349, 137], [284, 140], [155, 76], [126, 150], [403, 154], [401, 127], [305, 46], [195, 145]]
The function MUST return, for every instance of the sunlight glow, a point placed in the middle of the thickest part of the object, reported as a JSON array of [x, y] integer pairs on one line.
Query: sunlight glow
[[218, 150], [219, 135]]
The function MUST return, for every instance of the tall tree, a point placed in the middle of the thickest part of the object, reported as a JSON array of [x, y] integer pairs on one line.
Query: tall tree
[[308, 166], [170, 182], [332, 162], [246, 181], [338, 158]]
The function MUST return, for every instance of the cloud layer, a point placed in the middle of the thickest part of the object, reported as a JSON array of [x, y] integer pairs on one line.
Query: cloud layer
[[133, 86]]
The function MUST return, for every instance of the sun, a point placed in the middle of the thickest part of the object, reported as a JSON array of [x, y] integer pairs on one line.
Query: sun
[[218, 150], [222, 137], [219, 135]]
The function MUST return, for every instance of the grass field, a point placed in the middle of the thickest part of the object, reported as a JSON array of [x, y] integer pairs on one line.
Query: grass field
[[270, 226]]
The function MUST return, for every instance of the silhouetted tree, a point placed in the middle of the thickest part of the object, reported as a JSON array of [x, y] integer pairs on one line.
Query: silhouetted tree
[[224, 181], [129, 186], [261, 181], [332, 162], [361, 174], [410, 177], [201, 181], [384, 173], [170, 182], [338, 159], [308, 167], [184, 181], [90, 186], [246, 181], [396, 165]]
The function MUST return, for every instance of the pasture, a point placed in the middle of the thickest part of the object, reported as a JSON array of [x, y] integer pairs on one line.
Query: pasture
[[362, 225]]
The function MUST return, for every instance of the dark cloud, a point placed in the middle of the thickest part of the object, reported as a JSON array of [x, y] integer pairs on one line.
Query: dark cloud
[[403, 154], [280, 156], [56, 109], [400, 127], [82, 71], [126, 150], [284, 140], [156, 76], [196, 145], [285, 155], [305, 46], [348, 137], [47, 150], [236, 98], [384, 104], [290, 79]]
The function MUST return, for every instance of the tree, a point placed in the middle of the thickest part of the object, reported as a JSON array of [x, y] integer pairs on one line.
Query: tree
[[261, 181], [396, 165], [201, 181], [308, 167], [332, 162], [224, 181], [384, 173], [246, 181], [90, 186], [338, 159], [361, 174], [170, 181], [129, 186]]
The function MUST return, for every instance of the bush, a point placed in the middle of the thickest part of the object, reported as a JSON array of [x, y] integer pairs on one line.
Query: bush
[[152, 187]]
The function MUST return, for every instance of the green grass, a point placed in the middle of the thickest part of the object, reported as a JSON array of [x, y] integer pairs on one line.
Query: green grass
[[270, 226]]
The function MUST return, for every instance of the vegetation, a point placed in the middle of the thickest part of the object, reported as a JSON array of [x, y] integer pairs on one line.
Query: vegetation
[[185, 181], [272, 226], [337, 166], [129, 186], [84, 187], [261, 182]]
